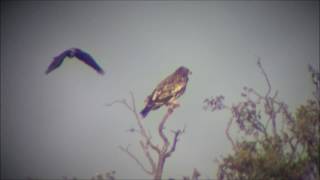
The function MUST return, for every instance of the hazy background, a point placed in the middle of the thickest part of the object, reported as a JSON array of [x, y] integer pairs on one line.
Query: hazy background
[[58, 125]]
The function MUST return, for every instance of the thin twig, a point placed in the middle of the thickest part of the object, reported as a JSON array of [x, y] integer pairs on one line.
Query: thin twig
[[126, 150], [265, 76], [175, 140], [227, 133], [147, 153]]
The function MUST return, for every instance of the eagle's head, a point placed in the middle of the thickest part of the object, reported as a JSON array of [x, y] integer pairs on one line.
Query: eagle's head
[[183, 71]]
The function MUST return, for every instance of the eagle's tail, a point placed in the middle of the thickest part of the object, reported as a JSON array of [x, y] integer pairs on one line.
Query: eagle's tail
[[146, 110]]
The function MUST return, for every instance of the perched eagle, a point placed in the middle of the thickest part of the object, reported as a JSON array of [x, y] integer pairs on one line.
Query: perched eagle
[[167, 91], [79, 54]]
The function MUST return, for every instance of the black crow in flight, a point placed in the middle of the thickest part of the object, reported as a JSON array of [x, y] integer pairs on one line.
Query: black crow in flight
[[79, 54]]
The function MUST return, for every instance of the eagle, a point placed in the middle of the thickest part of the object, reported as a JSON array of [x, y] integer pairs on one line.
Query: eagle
[[167, 91], [79, 54]]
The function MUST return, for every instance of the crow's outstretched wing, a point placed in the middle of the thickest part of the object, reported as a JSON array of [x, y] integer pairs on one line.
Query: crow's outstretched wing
[[57, 61], [86, 58]]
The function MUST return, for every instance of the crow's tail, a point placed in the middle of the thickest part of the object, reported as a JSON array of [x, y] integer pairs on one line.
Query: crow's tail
[[146, 110]]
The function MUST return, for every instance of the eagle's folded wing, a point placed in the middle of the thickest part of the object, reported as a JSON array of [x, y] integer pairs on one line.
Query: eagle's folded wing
[[168, 89]]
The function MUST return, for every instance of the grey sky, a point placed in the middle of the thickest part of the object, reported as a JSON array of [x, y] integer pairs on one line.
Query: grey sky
[[57, 125]]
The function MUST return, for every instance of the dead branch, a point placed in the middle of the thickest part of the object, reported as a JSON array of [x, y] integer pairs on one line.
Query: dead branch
[[146, 144], [126, 150], [160, 130], [175, 140], [146, 152]]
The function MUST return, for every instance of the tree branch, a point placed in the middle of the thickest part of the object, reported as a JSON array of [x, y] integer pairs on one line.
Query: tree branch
[[126, 150], [265, 76], [227, 133], [160, 130], [146, 143], [143, 134], [146, 152], [175, 140]]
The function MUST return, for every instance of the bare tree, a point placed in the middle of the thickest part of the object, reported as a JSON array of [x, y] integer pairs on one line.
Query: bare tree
[[162, 151]]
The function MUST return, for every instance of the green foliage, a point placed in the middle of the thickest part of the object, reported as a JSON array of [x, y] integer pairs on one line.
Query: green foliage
[[291, 151]]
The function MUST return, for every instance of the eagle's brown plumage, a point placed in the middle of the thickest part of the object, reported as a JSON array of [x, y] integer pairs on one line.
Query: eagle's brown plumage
[[167, 91]]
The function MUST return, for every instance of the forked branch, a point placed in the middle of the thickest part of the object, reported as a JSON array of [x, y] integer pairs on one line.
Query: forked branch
[[162, 152]]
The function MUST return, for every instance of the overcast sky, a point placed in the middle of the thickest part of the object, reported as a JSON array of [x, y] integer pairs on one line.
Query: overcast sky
[[58, 125]]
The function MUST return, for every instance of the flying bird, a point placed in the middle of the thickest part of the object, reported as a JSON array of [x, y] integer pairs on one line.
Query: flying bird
[[79, 54], [167, 91]]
